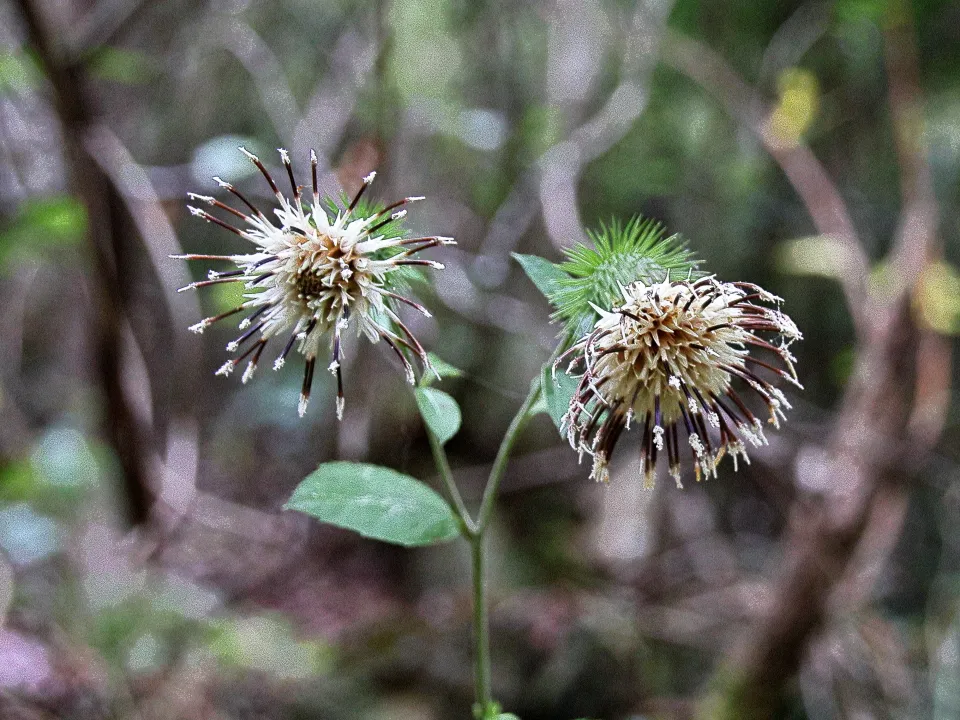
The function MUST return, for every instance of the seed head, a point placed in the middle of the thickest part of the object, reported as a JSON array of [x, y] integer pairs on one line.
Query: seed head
[[312, 275], [666, 359]]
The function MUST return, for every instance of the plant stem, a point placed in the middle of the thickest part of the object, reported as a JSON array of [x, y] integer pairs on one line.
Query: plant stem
[[475, 532], [503, 454], [469, 528], [481, 620], [481, 628]]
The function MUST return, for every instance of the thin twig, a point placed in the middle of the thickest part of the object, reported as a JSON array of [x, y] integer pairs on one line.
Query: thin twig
[[446, 475]]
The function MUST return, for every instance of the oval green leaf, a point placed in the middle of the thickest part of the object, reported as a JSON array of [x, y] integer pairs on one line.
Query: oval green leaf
[[440, 412], [376, 502]]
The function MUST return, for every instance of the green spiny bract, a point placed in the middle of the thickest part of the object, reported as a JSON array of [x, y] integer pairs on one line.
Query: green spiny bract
[[621, 255]]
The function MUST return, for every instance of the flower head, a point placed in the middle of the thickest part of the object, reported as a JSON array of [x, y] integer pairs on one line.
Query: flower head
[[667, 358], [312, 275]]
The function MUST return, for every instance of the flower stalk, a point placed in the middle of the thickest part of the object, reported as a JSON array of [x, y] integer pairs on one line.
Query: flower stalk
[[481, 628], [474, 532]]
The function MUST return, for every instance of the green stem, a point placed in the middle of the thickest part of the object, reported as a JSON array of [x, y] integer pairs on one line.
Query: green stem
[[468, 528], [481, 629], [475, 532], [481, 620], [503, 454]]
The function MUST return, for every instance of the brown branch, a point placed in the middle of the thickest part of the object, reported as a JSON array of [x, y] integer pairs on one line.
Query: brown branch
[[916, 243], [918, 227], [104, 210], [824, 532], [877, 412]]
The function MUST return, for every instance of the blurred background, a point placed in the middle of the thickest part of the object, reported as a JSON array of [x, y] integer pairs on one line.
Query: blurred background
[[147, 569]]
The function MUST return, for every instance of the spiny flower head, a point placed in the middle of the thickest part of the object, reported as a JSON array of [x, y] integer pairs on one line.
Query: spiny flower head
[[313, 274], [666, 356], [592, 275]]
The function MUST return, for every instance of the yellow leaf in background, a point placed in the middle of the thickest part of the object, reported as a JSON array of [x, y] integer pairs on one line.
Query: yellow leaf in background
[[937, 298], [797, 107], [820, 255]]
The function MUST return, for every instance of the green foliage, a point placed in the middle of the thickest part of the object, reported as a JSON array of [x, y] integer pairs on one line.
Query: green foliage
[[819, 255], [376, 502], [42, 225], [59, 474], [224, 296], [18, 72], [439, 411], [874, 11], [268, 644], [621, 254], [557, 392], [543, 273], [403, 278], [126, 67], [442, 368]]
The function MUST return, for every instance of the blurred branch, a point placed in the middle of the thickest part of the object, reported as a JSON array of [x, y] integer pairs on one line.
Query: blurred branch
[[916, 242], [808, 177], [264, 67], [794, 38], [103, 206], [918, 222], [554, 178], [160, 238], [10, 152], [108, 21], [561, 166], [864, 489], [333, 100]]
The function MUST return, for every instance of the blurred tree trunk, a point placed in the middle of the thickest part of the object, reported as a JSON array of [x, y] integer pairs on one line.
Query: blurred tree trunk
[[106, 222]]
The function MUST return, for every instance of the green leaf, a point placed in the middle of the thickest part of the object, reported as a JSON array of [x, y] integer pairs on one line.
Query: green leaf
[[443, 368], [42, 225], [491, 711], [18, 72], [557, 392], [540, 406], [440, 412], [544, 274], [376, 502]]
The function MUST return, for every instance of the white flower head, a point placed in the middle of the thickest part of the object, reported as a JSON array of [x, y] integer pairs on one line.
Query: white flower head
[[668, 357], [313, 273]]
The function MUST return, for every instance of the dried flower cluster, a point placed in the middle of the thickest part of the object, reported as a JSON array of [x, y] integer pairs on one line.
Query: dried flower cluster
[[667, 358], [311, 276]]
